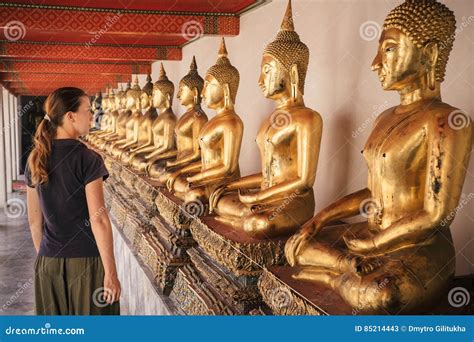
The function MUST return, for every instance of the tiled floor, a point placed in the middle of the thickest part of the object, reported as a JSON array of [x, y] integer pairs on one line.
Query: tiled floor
[[17, 257]]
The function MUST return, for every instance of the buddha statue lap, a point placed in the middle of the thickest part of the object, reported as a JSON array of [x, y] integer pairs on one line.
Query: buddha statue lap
[[220, 138], [402, 258], [280, 199]]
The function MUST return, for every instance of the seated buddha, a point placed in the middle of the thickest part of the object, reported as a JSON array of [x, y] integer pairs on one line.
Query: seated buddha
[[220, 138], [104, 126], [112, 115], [400, 260], [133, 122], [280, 198], [163, 141], [144, 133], [122, 119], [187, 128]]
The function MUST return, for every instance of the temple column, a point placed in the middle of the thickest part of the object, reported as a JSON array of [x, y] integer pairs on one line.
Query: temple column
[[3, 184], [6, 134], [13, 145]]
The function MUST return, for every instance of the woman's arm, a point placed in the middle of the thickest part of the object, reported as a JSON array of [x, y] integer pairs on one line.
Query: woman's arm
[[35, 216], [102, 230]]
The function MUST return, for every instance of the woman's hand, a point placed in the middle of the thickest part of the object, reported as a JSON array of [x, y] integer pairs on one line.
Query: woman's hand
[[112, 288], [294, 244]]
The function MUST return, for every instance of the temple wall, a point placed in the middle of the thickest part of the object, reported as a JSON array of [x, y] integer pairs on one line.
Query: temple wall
[[340, 86]]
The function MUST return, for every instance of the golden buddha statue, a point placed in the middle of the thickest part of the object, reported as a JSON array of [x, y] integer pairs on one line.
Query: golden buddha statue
[[163, 142], [145, 129], [122, 119], [402, 258], [106, 127], [220, 138], [280, 199], [132, 122], [188, 126]]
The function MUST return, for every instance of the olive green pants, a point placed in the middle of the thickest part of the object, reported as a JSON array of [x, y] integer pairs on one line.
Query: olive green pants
[[71, 286]]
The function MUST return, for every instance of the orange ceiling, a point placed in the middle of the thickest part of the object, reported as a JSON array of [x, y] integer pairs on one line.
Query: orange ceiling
[[45, 44]]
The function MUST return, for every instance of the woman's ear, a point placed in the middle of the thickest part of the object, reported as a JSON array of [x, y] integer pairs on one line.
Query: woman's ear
[[70, 116]]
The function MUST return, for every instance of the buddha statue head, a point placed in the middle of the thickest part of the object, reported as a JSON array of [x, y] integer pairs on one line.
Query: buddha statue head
[[221, 82], [133, 96], [285, 62], [119, 102], [123, 101], [163, 91], [190, 87], [147, 91], [414, 46], [111, 101]]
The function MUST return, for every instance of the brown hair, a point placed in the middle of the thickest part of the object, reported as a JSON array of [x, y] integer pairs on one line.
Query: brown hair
[[57, 104]]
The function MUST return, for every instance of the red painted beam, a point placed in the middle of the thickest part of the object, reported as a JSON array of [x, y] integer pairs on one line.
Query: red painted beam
[[51, 77], [80, 52], [209, 6], [104, 68], [92, 26]]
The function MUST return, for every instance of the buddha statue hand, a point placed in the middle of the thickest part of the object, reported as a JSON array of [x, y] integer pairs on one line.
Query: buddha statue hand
[[361, 246], [297, 241], [216, 196], [170, 181]]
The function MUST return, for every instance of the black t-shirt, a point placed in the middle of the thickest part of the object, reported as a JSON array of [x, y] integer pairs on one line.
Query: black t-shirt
[[66, 230]]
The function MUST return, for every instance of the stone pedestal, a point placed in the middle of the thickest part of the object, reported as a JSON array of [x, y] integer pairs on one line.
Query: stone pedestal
[[163, 251], [205, 288], [223, 273], [287, 296]]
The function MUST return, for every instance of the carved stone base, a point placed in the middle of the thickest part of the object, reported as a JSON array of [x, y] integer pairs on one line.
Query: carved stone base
[[288, 296], [147, 189], [134, 229], [118, 210], [163, 253], [235, 250], [172, 210], [205, 288], [129, 177]]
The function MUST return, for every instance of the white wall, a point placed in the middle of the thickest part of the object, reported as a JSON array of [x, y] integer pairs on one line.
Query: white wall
[[339, 85]]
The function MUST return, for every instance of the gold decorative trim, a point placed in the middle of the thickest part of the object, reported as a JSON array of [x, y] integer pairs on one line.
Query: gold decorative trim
[[194, 297], [172, 212], [240, 258], [282, 300]]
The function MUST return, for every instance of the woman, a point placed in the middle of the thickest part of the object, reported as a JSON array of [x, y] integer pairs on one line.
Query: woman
[[75, 272]]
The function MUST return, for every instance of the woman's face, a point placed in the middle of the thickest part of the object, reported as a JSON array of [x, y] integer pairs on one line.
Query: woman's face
[[83, 116]]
